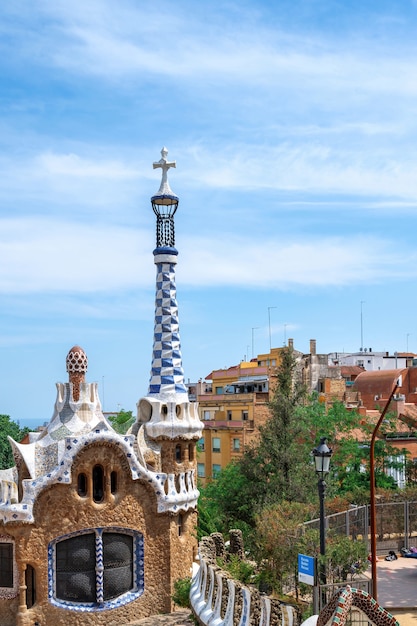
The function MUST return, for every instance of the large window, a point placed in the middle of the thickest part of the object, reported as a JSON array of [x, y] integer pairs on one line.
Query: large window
[[216, 444], [94, 568]]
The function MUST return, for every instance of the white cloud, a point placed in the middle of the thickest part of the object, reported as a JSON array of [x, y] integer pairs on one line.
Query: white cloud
[[75, 166], [41, 255], [44, 256], [320, 262], [315, 167]]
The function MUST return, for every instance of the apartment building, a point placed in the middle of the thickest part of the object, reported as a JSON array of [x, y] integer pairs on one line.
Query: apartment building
[[233, 403]]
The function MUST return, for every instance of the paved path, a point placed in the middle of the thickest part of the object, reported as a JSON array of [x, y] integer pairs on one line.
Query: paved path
[[179, 618], [397, 589], [397, 583]]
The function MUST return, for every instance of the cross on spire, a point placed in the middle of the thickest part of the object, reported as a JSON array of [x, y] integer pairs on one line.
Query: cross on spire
[[164, 164]]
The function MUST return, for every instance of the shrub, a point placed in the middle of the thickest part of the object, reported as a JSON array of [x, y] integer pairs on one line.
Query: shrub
[[181, 595]]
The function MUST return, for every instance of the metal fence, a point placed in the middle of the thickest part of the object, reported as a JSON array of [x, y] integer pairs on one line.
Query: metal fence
[[396, 525]]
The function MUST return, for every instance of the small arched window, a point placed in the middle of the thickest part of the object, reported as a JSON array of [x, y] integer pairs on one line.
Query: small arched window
[[82, 485], [113, 482], [30, 580], [98, 483], [191, 452], [180, 525], [178, 453]]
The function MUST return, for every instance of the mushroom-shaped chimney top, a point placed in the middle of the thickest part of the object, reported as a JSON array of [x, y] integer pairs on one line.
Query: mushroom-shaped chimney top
[[76, 361]]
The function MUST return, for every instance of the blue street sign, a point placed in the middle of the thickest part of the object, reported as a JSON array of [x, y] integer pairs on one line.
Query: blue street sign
[[306, 569]]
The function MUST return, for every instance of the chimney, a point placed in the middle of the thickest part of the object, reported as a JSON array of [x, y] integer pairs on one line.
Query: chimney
[[291, 344], [312, 346]]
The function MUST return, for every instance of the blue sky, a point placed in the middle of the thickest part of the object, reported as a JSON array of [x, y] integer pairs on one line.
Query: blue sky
[[294, 128]]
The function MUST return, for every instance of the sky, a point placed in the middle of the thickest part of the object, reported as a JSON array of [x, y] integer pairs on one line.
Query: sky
[[294, 129]]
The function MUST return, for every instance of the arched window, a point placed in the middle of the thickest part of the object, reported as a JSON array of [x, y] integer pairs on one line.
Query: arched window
[[82, 485], [98, 483], [30, 580], [113, 482], [191, 452], [180, 524], [178, 453]]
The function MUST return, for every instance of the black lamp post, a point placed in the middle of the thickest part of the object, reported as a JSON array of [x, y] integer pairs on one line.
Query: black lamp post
[[322, 455]]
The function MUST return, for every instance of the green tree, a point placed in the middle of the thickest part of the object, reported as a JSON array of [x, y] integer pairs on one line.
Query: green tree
[[277, 466], [9, 428], [122, 421]]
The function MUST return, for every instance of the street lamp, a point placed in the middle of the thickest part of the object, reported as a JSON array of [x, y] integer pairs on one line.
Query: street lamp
[[322, 455]]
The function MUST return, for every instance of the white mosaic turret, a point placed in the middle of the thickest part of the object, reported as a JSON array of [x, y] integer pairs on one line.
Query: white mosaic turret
[[166, 411]]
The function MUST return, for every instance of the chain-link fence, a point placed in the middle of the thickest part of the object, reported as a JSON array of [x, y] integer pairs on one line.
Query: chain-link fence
[[396, 525]]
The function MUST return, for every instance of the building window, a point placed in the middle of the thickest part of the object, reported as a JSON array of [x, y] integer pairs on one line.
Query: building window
[[219, 390], [236, 444], [200, 444], [191, 448], [180, 525], [216, 444], [206, 415], [95, 567], [6, 565], [216, 470], [229, 415], [245, 415], [178, 453], [82, 485], [113, 482], [201, 470], [30, 580], [98, 483]]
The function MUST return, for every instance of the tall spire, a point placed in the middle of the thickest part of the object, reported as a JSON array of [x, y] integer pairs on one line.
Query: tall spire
[[167, 374]]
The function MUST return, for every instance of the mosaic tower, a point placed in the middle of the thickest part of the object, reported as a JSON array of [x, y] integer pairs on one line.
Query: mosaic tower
[[166, 410]]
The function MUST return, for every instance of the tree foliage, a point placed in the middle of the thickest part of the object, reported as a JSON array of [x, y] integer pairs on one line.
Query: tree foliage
[[279, 466], [122, 421], [9, 428]]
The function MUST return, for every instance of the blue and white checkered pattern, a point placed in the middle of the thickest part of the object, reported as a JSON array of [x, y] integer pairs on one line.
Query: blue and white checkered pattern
[[167, 374]]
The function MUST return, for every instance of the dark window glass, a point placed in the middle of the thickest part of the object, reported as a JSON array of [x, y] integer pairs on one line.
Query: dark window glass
[[6, 565], [118, 564], [178, 453], [76, 569], [82, 485], [98, 483], [76, 562], [30, 586], [191, 452], [113, 482]]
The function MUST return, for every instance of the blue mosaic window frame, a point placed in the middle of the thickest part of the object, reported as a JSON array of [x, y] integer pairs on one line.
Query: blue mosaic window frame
[[100, 605]]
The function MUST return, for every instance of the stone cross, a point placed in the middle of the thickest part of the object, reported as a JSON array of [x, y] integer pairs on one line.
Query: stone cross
[[164, 165]]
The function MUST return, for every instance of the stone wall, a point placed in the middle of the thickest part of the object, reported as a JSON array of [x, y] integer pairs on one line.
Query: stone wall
[[169, 544]]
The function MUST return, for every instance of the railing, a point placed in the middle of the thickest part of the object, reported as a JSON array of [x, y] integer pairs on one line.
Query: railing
[[396, 525]]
